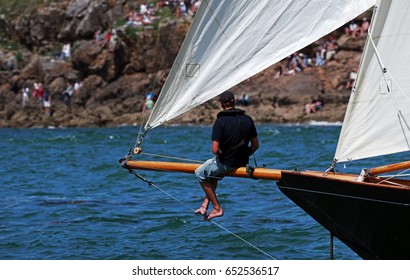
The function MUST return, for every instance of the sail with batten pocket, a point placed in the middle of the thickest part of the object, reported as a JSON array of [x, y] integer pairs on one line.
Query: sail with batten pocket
[[377, 120], [230, 41]]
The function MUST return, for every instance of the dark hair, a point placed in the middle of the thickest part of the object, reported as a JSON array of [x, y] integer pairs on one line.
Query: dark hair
[[227, 97]]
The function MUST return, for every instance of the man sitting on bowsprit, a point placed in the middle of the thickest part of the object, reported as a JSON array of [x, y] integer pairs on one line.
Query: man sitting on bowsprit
[[234, 139]]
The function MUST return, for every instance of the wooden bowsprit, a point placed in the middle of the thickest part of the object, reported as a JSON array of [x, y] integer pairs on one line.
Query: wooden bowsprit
[[243, 172]]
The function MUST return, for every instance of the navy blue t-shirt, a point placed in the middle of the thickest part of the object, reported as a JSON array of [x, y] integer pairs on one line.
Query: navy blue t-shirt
[[233, 129]]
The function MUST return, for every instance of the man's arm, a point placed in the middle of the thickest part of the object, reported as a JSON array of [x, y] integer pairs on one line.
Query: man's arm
[[215, 147], [254, 145]]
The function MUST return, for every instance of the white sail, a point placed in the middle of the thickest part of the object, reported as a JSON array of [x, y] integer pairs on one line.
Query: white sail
[[230, 41], [377, 120]]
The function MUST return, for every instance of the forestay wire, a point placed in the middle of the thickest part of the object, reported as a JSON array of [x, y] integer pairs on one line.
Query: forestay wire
[[150, 183], [403, 122], [143, 131], [171, 157]]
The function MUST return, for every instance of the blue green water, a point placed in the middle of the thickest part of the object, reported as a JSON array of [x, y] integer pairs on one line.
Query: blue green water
[[65, 196]]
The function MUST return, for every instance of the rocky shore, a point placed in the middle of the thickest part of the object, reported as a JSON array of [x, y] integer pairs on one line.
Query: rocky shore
[[114, 82]]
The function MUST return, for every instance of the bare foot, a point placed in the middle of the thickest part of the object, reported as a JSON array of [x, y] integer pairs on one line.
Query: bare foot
[[215, 213], [201, 210]]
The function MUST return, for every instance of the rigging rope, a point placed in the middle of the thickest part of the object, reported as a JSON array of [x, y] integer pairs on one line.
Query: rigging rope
[[389, 90], [150, 183], [171, 157], [387, 178], [143, 131]]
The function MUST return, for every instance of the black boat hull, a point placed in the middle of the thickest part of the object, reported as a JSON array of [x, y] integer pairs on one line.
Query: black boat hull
[[372, 219]]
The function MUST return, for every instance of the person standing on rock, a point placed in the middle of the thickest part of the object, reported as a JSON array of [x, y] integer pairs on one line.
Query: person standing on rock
[[234, 139], [40, 94], [149, 100], [68, 92], [47, 102], [26, 92], [112, 44]]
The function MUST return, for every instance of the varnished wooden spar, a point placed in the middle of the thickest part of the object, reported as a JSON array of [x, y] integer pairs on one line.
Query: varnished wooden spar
[[259, 173], [389, 168]]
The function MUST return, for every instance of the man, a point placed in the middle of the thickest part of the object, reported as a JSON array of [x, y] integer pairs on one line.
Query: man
[[234, 139]]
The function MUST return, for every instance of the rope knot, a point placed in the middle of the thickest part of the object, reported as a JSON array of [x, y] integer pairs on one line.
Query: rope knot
[[250, 170]]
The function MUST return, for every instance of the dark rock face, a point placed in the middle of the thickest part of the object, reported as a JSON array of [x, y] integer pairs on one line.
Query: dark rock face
[[115, 81], [66, 21]]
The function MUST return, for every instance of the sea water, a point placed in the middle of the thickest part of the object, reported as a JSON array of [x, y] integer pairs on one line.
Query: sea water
[[64, 195]]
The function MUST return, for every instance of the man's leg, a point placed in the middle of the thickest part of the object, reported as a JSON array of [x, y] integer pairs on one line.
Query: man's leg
[[206, 175], [204, 207], [200, 173], [209, 189]]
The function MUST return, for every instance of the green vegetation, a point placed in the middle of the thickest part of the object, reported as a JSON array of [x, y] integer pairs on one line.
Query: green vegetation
[[9, 45], [164, 13], [131, 33], [8, 6], [19, 56]]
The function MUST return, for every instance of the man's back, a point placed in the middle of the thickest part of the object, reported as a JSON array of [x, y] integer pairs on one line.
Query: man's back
[[233, 129]]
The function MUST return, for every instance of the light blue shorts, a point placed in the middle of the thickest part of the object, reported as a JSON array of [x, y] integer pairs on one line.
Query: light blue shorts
[[212, 169]]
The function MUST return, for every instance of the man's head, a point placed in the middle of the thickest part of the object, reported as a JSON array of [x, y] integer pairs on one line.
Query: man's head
[[227, 99]]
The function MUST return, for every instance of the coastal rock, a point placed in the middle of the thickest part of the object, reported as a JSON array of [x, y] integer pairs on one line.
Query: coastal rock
[[114, 81]]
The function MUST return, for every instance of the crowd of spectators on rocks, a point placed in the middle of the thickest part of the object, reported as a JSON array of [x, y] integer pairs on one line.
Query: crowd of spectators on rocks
[[110, 39], [146, 13], [323, 53], [299, 61], [40, 96], [356, 29]]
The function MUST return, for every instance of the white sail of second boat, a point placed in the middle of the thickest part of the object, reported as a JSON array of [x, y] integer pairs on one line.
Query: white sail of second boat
[[377, 120]]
